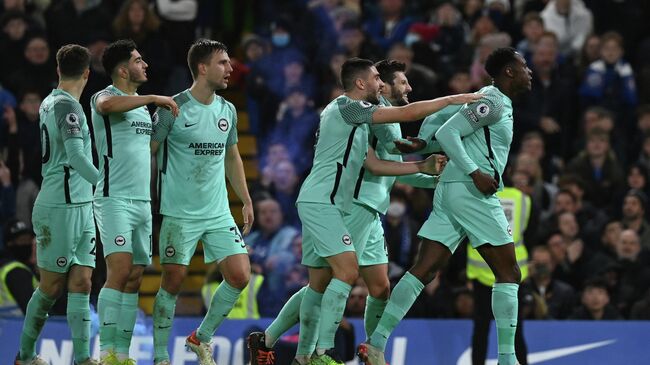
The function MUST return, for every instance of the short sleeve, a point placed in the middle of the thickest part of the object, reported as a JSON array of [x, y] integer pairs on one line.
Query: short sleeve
[[69, 118], [232, 135], [162, 121], [105, 92], [356, 112], [484, 112]]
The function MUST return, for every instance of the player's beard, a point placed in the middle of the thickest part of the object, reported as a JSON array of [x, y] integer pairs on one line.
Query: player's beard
[[372, 98], [400, 99]]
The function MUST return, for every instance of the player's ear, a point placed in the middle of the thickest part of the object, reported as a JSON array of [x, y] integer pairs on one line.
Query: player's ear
[[509, 72], [360, 84], [86, 74]]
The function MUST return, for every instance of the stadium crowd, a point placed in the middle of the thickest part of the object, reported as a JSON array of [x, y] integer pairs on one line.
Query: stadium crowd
[[581, 149]]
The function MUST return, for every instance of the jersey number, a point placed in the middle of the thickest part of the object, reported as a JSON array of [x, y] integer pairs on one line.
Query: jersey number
[[45, 144], [238, 237], [93, 251]]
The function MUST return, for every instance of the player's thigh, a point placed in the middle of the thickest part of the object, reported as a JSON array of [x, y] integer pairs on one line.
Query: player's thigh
[[324, 233], [481, 217], [85, 248], [222, 239], [375, 251], [440, 226], [59, 231], [358, 223], [114, 224], [178, 239], [141, 234]]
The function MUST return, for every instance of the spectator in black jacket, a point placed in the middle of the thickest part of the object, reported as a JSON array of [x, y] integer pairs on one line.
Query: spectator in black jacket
[[595, 303]]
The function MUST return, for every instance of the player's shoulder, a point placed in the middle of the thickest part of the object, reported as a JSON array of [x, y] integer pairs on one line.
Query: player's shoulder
[[181, 98], [345, 102], [65, 104], [490, 105]]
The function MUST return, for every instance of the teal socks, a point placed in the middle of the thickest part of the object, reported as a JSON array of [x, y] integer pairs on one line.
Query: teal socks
[[108, 306], [310, 311], [37, 308], [125, 323], [332, 307], [222, 302], [163, 316], [289, 315], [374, 309], [78, 315], [505, 308]]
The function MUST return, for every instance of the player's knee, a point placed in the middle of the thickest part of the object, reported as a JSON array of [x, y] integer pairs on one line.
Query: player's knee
[[379, 289], [52, 288], [79, 284], [172, 281], [348, 275], [510, 274], [238, 280]]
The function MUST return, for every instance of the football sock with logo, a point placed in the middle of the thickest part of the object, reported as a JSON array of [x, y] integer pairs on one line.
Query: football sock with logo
[[222, 302], [35, 318], [78, 313], [309, 322], [401, 300], [332, 307], [109, 303], [504, 309], [289, 315], [163, 317], [126, 323], [374, 309]]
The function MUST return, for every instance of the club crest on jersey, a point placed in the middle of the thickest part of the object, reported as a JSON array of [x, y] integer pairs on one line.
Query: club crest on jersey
[[170, 251], [346, 240], [61, 261], [365, 104], [154, 119], [509, 230], [222, 124], [482, 110], [120, 240]]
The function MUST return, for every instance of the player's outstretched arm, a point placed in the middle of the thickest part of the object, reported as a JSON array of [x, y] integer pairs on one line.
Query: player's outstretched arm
[[235, 173], [419, 180], [107, 104], [420, 109], [431, 166]]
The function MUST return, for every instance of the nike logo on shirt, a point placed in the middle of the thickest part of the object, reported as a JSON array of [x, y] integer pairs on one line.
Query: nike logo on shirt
[[190, 124]]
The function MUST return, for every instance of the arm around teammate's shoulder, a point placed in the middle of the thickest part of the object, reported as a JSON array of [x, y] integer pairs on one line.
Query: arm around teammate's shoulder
[[420, 109], [107, 104]]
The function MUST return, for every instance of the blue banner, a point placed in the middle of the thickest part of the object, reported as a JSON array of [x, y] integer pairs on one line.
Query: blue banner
[[431, 342]]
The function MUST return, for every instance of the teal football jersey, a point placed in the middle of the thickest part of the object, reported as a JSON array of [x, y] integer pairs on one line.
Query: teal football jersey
[[191, 168], [62, 117], [340, 151], [486, 145], [122, 142]]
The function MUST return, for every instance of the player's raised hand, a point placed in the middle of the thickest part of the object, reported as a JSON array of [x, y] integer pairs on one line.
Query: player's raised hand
[[434, 164], [413, 144], [166, 102], [249, 218], [464, 98], [485, 183]]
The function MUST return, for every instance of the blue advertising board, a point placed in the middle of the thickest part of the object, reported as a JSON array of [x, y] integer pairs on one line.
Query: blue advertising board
[[432, 342]]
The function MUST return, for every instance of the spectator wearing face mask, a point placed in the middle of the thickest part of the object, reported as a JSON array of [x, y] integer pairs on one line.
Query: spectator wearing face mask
[[400, 232], [17, 279]]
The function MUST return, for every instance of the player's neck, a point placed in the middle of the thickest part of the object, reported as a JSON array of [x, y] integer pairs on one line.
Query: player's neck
[[203, 93], [74, 88], [505, 87], [125, 86], [355, 95]]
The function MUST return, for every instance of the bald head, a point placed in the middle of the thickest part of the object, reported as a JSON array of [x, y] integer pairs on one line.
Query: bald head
[[629, 245]]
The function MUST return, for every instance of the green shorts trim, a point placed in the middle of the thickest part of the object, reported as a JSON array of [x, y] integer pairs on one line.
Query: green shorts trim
[[65, 236], [364, 224], [125, 226], [461, 211], [179, 237], [324, 233]]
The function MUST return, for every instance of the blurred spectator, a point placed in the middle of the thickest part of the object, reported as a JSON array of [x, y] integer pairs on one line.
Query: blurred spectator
[[138, 22], [38, 70], [641, 309], [15, 31], [390, 25], [459, 83], [270, 253], [532, 27], [486, 45], [609, 82], [354, 41], [296, 125], [276, 153], [589, 54], [635, 204], [69, 21], [7, 198], [463, 303], [642, 128], [97, 80], [17, 265], [552, 298], [598, 167], [330, 76], [499, 12], [356, 305], [533, 145], [472, 10], [542, 191], [285, 188], [400, 231], [571, 20], [481, 28], [254, 48], [24, 156], [435, 301], [610, 237], [452, 51], [634, 274], [595, 303], [550, 105]]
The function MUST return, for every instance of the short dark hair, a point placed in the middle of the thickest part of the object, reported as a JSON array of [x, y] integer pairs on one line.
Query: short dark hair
[[532, 16], [201, 51], [351, 69], [499, 59], [567, 192], [596, 282], [73, 60], [387, 69], [116, 53]]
